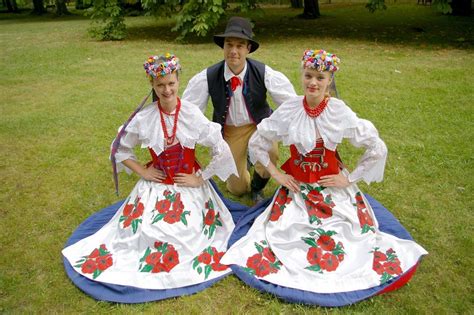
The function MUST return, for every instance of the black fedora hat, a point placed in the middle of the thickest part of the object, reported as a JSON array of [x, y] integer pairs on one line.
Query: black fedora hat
[[240, 28]]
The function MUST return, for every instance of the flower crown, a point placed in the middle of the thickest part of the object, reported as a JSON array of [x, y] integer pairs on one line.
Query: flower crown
[[159, 66], [320, 60]]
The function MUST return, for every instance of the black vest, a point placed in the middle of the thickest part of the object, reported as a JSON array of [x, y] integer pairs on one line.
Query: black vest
[[253, 91]]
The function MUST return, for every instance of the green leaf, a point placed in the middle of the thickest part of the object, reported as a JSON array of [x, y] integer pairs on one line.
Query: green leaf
[[147, 252], [158, 217], [78, 266], [183, 219], [164, 248], [199, 270], [218, 222], [310, 241], [385, 277], [207, 271], [195, 263], [315, 268], [212, 228], [312, 233], [249, 271], [210, 204], [338, 252], [147, 268], [313, 219], [259, 247], [135, 226], [122, 218], [96, 273]]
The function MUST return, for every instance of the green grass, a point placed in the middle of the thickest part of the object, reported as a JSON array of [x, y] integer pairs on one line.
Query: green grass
[[407, 69]]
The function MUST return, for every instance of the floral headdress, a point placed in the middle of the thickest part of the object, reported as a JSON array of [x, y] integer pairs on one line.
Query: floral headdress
[[159, 66], [320, 60]]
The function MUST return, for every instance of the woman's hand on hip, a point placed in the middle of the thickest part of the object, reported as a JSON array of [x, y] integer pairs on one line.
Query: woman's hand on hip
[[337, 180], [188, 180], [287, 180], [152, 174]]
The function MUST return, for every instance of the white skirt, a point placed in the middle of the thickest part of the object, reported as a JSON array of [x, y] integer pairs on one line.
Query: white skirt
[[162, 237], [322, 240]]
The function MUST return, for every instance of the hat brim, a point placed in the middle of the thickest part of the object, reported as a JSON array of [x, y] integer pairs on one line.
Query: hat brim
[[219, 40]]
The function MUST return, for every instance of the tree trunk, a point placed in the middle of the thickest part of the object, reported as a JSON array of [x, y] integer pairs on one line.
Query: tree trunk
[[61, 8], [296, 4], [38, 7], [311, 9], [11, 6], [461, 7]]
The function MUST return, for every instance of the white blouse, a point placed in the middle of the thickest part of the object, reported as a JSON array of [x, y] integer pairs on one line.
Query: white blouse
[[290, 124], [277, 84], [193, 128]]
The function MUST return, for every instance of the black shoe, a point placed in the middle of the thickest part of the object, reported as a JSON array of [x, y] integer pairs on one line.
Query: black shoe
[[257, 196], [258, 183]]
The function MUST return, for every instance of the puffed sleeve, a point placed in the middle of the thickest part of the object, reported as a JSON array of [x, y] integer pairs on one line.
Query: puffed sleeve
[[197, 91], [209, 134], [125, 149], [371, 165], [278, 86]]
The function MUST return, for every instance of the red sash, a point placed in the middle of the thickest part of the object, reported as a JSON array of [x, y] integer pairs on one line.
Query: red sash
[[310, 167], [173, 160]]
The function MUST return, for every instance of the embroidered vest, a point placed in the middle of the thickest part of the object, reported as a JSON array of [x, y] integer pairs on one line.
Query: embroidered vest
[[174, 159], [310, 167], [253, 90]]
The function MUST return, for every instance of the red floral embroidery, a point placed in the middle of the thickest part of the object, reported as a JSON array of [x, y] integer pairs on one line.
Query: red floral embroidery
[[210, 259], [386, 264], [263, 262], [131, 215], [96, 262], [281, 201], [324, 254], [317, 206], [211, 219], [365, 220], [170, 209], [162, 258]]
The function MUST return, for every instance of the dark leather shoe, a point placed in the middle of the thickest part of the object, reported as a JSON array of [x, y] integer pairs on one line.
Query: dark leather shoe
[[257, 196]]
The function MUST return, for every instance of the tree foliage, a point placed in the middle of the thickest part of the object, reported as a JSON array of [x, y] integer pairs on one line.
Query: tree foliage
[[200, 16], [108, 20]]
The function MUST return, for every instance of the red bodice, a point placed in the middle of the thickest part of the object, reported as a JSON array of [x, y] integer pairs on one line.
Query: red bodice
[[310, 167], [173, 160]]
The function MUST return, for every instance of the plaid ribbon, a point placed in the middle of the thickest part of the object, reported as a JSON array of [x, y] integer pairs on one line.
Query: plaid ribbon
[[116, 142]]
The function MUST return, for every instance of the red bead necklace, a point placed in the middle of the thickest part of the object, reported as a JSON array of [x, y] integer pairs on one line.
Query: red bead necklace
[[316, 111], [169, 139]]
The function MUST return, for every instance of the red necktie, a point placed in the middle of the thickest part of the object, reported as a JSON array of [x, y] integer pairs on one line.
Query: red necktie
[[234, 82]]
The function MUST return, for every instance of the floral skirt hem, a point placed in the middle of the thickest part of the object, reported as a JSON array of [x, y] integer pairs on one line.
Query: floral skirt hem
[[387, 224]]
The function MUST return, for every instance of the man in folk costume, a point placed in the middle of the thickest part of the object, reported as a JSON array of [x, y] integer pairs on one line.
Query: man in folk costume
[[238, 89]]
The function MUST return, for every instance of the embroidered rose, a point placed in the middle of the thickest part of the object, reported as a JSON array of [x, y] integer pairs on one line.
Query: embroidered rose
[[365, 220], [264, 262], [280, 203], [323, 254], [170, 209], [131, 214], [208, 261], [211, 219], [163, 257], [317, 206], [387, 264], [96, 262]]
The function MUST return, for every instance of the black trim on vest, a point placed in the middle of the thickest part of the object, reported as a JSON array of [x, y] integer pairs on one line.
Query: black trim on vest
[[253, 91]]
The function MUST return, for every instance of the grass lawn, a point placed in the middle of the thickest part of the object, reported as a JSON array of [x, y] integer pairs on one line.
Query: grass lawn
[[63, 96]]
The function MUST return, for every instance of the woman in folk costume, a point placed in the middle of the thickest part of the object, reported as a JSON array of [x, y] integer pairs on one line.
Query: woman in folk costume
[[319, 241], [169, 235]]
